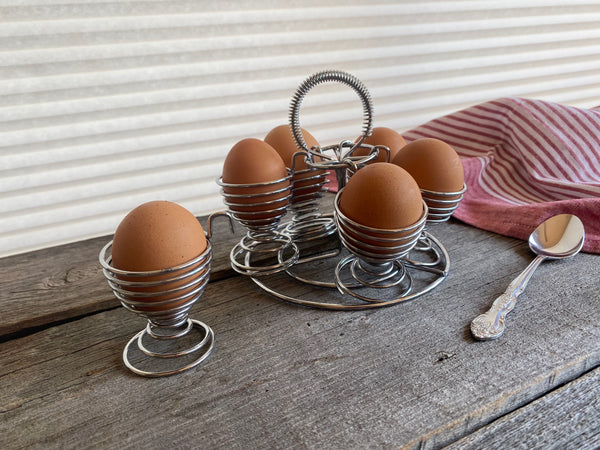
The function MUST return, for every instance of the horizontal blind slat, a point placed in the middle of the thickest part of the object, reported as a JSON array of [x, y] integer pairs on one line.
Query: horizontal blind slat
[[86, 8], [150, 119], [102, 29], [217, 68], [152, 48], [585, 54]]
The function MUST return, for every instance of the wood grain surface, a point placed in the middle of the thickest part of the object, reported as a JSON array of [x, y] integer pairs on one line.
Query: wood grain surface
[[284, 376], [568, 417]]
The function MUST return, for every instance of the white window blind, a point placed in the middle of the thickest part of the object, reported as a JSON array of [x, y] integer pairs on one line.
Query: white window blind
[[107, 104]]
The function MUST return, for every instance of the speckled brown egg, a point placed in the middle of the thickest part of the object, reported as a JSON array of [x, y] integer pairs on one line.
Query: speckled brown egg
[[382, 195], [386, 137], [154, 236], [433, 163], [282, 140], [253, 161], [157, 235]]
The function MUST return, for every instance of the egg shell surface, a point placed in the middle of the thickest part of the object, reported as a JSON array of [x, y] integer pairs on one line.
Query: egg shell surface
[[386, 137], [253, 161], [157, 235], [382, 195], [433, 163], [282, 140], [154, 236]]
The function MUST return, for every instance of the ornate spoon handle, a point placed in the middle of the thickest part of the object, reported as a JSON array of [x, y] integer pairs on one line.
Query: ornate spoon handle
[[490, 325]]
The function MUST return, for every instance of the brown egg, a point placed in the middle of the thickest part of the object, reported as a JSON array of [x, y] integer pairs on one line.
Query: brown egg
[[382, 195], [386, 137], [434, 165], [282, 140], [252, 161], [157, 235], [154, 236]]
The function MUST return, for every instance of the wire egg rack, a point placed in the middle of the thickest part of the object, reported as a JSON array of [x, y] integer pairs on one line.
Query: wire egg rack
[[337, 263], [340, 264]]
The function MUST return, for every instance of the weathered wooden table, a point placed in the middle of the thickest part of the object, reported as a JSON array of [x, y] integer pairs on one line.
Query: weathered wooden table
[[284, 376]]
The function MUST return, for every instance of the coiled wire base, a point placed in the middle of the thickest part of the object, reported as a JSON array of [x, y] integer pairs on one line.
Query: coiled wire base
[[171, 343], [359, 285], [266, 253], [204, 346]]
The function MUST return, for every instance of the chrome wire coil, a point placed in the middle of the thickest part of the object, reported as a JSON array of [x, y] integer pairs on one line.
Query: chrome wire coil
[[261, 254], [325, 77], [308, 223], [264, 250], [377, 245], [442, 204], [258, 206], [377, 255], [164, 297]]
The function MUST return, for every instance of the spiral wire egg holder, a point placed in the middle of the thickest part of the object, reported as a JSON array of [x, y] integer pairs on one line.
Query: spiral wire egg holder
[[265, 249], [367, 268], [308, 223], [375, 259], [441, 206], [164, 298], [171, 342]]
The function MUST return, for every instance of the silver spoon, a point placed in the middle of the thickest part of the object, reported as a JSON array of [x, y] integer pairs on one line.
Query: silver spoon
[[558, 237]]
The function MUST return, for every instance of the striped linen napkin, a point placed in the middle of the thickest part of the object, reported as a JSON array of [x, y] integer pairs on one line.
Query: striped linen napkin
[[525, 160]]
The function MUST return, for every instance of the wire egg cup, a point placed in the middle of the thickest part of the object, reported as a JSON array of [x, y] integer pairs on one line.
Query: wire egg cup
[[265, 249], [442, 204], [376, 255], [308, 223], [164, 298]]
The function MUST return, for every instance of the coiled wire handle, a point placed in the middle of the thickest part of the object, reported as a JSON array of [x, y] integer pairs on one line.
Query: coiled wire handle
[[324, 77]]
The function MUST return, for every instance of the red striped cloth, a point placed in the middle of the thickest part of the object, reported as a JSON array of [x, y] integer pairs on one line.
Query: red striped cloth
[[525, 160]]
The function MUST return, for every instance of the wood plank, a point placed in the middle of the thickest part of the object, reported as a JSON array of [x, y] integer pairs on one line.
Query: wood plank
[[286, 376], [566, 418], [51, 285]]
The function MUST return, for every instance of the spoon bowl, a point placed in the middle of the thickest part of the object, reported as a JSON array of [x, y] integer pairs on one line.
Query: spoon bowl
[[560, 236]]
